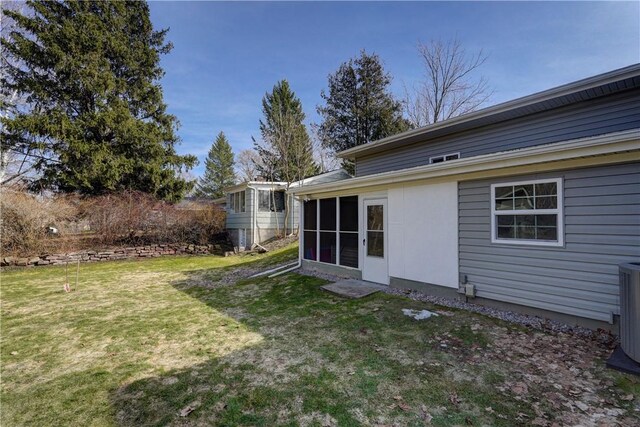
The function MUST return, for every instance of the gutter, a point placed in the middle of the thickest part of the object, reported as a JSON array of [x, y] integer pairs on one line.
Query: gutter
[[254, 215], [617, 142], [299, 263]]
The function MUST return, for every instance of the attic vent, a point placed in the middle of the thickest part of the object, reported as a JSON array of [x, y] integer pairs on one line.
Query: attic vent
[[444, 158]]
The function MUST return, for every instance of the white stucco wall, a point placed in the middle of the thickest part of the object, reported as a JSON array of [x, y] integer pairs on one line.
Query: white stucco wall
[[423, 233]]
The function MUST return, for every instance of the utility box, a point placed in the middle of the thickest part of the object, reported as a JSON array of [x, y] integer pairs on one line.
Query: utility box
[[630, 310]]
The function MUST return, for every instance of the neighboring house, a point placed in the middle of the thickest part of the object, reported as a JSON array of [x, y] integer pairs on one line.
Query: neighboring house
[[221, 201], [529, 205], [256, 210], [195, 203]]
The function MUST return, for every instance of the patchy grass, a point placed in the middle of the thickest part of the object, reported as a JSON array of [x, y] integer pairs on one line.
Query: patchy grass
[[175, 341]]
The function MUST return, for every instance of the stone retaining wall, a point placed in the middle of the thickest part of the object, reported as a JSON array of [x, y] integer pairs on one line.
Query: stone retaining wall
[[149, 251]]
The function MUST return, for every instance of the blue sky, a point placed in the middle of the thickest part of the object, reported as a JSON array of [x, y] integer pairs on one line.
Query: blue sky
[[227, 55]]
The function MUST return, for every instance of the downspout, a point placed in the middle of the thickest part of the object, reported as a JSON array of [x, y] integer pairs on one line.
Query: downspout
[[295, 267], [299, 263], [254, 215]]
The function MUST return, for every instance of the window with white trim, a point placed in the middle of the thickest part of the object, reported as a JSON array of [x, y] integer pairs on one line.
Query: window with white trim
[[270, 200], [444, 158], [237, 201], [527, 212]]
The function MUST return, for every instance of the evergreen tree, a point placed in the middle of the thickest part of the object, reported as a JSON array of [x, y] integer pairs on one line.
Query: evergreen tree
[[219, 172], [359, 107], [286, 151], [94, 120]]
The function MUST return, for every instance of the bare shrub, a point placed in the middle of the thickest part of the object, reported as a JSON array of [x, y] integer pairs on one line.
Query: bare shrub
[[25, 218], [201, 226], [138, 218], [130, 218]]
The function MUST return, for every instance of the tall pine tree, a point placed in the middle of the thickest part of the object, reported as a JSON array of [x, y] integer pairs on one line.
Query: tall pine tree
[[95, 120], [359, 107], [219, 172], [286, 151]]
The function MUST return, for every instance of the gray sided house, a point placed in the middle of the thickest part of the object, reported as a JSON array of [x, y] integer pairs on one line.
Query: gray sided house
[[531, 204], [257, 210]]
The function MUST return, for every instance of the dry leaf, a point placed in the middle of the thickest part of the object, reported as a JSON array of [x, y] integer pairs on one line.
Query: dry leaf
[[187, 410], [519, 388], [453, 398], [404, 406]]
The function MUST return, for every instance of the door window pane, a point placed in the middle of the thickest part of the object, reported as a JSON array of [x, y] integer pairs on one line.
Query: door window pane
[[375, 217], [349, 249], [375, 244], [328, 247]]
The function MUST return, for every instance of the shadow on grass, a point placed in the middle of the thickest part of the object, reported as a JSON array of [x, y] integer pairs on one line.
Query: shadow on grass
[[322, 361]]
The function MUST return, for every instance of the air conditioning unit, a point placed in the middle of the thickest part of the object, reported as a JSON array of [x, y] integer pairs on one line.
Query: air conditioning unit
[[630, 310]]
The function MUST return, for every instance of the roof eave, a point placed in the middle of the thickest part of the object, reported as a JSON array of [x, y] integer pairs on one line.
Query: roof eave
[[564, 90], [592, 146]]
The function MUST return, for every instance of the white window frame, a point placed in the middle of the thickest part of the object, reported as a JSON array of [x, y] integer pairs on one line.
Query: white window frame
[[271, 208], [558, 211], [241, 202], [444, 157]]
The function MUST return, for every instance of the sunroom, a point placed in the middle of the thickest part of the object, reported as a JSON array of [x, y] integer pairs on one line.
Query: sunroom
[[330, 231]]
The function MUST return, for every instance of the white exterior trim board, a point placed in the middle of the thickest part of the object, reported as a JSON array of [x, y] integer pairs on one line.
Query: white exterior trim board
[[625, 141]]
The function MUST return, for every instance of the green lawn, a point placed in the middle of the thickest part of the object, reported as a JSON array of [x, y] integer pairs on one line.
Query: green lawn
[[174, 341]]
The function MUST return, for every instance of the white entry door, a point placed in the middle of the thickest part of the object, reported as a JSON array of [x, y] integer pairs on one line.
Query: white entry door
[[375, 266]]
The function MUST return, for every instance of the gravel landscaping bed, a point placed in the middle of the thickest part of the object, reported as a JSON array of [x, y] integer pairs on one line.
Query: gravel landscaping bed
[[603, 337]]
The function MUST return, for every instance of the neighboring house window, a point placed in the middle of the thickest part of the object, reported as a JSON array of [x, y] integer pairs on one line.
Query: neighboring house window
[[527, 212], [330, 231], [444, 158], [270, 201], [237, 202]]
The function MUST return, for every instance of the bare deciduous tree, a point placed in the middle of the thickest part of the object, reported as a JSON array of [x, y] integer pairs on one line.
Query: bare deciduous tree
[[324, 156], [449, 88], [247, 164]]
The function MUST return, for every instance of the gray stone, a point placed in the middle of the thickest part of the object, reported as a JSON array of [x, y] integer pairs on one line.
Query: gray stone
[[352, 288]]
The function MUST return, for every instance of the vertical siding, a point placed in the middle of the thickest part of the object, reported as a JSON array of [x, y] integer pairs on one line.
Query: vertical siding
[[602, 230], [596, 117]]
